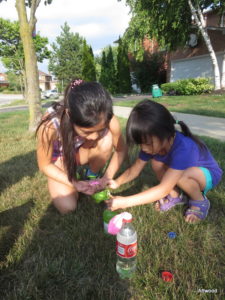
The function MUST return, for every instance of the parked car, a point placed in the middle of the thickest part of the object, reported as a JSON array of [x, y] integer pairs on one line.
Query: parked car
[[50, 94]]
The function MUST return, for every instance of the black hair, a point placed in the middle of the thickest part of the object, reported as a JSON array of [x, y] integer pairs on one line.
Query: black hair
[[149, 118], [83, 105]]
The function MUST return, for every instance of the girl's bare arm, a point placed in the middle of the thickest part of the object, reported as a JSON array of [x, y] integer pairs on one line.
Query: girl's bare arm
[[44, 155], [120, 149], [132, 172]]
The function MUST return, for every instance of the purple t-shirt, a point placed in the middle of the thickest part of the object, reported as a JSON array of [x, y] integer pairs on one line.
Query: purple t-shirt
[[185, 153]]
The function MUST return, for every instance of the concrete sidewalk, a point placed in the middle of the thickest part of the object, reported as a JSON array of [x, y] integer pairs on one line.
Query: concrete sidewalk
[[200, 125]]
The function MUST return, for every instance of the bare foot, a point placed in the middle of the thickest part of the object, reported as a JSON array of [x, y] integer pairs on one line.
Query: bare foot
[[159, 203], [192, 219], [157, 206]]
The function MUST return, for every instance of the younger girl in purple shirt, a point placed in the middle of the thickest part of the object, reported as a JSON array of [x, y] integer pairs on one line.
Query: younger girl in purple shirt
[[179, 160]]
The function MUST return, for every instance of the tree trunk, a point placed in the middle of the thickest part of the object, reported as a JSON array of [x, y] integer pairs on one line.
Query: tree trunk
[[223, 73], [21, 85], [31, 70], [25, 86], [22, 78], [198, 17]]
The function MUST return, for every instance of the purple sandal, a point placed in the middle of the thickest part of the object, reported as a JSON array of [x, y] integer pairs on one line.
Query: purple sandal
[[204, 206], [171, 202]]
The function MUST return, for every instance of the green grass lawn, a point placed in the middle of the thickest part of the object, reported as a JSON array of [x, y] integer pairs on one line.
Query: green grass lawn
[[206, 105], [47, 256]]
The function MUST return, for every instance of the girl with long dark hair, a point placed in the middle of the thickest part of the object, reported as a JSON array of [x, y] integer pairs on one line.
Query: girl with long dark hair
[[79, 131]]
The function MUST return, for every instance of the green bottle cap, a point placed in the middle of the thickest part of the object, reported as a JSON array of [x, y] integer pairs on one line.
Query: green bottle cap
[[101, 196]]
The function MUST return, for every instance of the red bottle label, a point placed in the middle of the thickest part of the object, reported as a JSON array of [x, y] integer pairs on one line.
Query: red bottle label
[[126, 251]]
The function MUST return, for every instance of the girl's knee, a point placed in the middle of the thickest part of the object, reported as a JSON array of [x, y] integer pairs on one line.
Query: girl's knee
[[65, 205], [158, 168], [193, 176]]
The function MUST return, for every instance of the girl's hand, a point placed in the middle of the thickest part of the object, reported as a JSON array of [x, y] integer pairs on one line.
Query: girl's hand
[[112, 184], [99, 183], [84, 187], [89, 187], [117, 202]]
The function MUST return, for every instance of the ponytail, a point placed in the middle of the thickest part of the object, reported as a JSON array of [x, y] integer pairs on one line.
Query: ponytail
[[68, 136], [187, 132]]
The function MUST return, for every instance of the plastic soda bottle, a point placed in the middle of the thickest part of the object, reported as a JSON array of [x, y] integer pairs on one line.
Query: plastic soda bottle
[[107, 216], [126, 248]]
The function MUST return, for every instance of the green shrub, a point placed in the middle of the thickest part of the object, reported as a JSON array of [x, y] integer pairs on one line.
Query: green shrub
[[190, 86]]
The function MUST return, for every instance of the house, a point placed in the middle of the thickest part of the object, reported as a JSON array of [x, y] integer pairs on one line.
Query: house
[[3, 80], [194, 60], [46, 82]]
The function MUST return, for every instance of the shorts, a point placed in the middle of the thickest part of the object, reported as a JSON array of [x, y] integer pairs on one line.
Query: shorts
[[208, 179]]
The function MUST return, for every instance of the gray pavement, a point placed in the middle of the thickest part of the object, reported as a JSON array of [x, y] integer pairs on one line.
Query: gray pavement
[[8, 98], [200, 125]]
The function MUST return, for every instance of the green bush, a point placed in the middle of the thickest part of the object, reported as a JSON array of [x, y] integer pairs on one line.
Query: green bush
[[190, 86]]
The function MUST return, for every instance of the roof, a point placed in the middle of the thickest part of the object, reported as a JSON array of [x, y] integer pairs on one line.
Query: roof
[[43, 73]]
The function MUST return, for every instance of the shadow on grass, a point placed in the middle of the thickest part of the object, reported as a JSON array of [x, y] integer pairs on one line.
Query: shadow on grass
[[13, 221], [69, 257], [14, 169]]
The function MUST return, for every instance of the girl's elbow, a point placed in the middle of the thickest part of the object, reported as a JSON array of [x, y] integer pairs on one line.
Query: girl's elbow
[[43, 168]]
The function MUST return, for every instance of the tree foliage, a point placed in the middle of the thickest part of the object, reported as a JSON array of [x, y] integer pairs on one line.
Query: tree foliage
[[169, 21], [11, 47], [164, 20], [123, 68], [27, 22], [149, 71], [112, 76], [15, 81], [103, 74], [88, 63], [108, 70], [66, 59]]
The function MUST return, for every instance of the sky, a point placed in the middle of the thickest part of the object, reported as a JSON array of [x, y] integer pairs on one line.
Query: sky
[[100, 22]]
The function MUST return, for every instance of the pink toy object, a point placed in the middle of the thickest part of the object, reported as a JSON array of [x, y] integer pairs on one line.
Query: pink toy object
[[94, 182], [115, 224]]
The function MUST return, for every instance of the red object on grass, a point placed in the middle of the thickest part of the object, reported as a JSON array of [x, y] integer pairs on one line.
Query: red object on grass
[[167, 276]]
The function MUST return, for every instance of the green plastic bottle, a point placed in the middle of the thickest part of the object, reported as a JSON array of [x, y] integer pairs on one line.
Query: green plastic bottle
[[101, 196], [107, 216]]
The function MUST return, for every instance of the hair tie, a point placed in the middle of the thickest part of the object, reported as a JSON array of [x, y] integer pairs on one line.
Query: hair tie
[[75, 83]]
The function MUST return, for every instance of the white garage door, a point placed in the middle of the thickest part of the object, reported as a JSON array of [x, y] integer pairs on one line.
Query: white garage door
[[199, 66]]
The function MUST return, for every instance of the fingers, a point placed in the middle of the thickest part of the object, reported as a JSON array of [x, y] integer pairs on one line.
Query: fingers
[[113, 184], [109, 203]]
